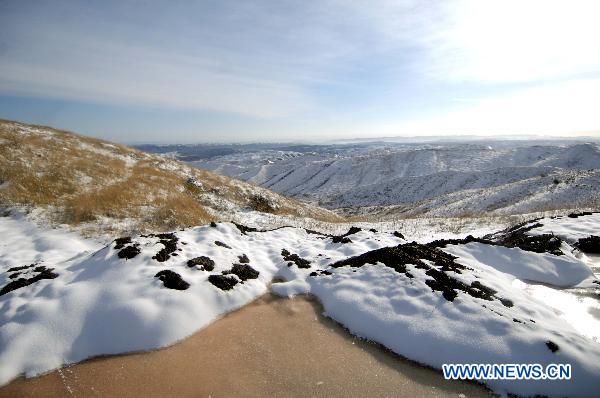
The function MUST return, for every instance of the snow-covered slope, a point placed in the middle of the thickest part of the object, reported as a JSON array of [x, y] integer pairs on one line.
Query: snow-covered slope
[[446, 178], [449, 301]]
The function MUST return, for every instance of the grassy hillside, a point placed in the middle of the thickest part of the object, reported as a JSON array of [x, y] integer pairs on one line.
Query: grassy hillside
[[77, 180]]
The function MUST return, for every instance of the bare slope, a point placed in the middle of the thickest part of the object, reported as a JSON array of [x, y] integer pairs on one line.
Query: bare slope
[[80, 180]]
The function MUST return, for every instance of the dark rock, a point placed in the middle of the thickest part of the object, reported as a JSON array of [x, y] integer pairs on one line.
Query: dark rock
[[398, 235], [294, 258], [400, 256], [46, 273], [552, 346], [468, 239], [321, 272], [205, 263], [13, 269], [506, 302], [341, 239], [121, 242], [344, 237], [13, 276], [129, 252], [213, 224], [583, 213], [169, 241], [591, 244], [373, 230], [223, 282], [219, 243], [516, 236], [244, 229], [244, 271], [243, 259], [172, 280]]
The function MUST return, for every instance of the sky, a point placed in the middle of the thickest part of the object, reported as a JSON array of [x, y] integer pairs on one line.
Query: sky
[[241, 71]]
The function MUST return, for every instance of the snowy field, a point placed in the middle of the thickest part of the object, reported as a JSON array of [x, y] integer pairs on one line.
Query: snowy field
[[518, 296]]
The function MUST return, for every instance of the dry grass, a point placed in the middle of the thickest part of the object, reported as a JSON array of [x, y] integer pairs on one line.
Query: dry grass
[[81, 180]]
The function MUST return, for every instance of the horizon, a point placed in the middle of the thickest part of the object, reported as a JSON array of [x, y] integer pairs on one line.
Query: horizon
[[227, 72]]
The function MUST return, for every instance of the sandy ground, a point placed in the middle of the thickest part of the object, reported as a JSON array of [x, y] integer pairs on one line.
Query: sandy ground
[[272, 347]]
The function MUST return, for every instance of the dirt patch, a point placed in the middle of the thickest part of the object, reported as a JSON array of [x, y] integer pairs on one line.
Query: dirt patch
[[169, 241], [205, 263], [122, 242], [225, 245], [172, 280], [13, 269], [42, 273], [443, 242], [552, 346], [244, 229], [400, 256], [244, 271], [293, 258], [321, 272], [223, 282], [583, 213], [516, 236], [344, 237], [591, 244], [129, 252]]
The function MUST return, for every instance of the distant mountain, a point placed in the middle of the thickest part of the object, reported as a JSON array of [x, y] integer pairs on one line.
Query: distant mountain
[[434, 178]]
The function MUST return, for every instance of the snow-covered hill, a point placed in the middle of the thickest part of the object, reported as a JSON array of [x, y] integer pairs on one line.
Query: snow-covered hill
[[446, 179], [520, 295]]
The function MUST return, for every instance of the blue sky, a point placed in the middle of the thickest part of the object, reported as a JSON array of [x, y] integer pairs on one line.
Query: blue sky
[[214, 71]]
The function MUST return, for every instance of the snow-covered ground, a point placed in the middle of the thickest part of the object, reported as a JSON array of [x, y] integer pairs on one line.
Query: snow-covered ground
[[442, 179], [459, 303]]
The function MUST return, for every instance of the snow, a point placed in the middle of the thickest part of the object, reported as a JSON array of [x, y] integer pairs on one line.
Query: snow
[[570, 229], [444, 179], [562, 271], [102, 304]]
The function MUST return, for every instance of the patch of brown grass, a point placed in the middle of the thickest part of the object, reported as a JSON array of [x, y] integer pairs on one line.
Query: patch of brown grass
[[83, 180]]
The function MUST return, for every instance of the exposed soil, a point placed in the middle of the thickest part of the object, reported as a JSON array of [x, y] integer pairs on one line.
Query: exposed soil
[[583, 213], [591, 244], [552, 346], [172, 280], [516, 236], [42, 273], [205, 263], [398, 235], [271, 348], [169, 241], [443, 280], [121, 242], [295, 259], [225, 245], [223, 282], [129, 252], [244, 271]]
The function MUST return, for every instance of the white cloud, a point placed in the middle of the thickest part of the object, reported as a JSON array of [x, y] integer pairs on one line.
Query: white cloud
[[566, 108]]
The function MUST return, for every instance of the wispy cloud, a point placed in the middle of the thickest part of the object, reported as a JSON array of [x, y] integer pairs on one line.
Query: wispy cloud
[[314, 63]]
